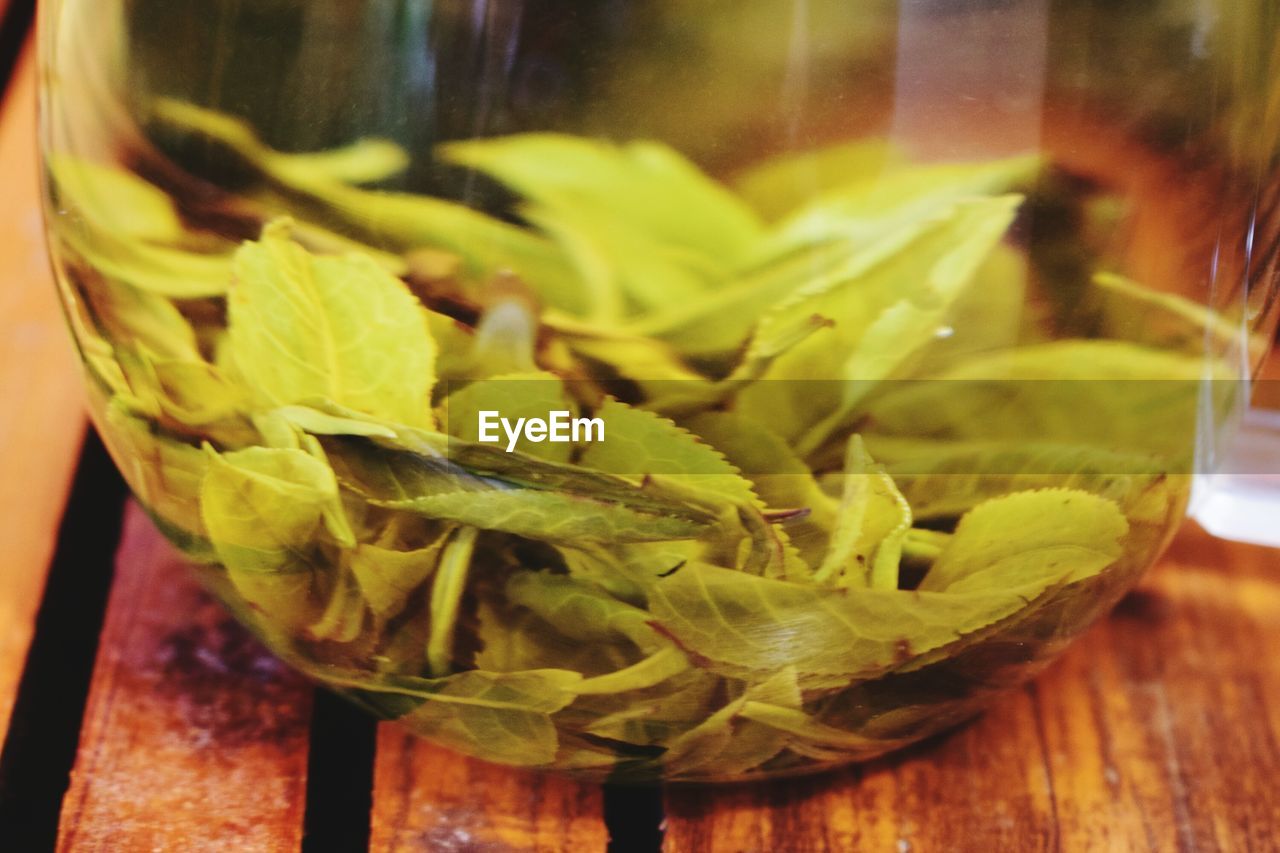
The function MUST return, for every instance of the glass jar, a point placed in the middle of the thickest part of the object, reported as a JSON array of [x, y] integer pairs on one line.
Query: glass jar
[[654, 390]]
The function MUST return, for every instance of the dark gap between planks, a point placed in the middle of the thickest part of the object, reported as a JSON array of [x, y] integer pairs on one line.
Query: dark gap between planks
[[14, 27], [44, 734], [633, 817], [339, 776]]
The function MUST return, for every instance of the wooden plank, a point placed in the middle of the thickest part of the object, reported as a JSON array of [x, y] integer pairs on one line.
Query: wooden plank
[[1157, 731], [41, 421], [427, 798], [194, 737]]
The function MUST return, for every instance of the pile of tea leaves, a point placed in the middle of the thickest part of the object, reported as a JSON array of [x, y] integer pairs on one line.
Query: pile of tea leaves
[[820, 523]]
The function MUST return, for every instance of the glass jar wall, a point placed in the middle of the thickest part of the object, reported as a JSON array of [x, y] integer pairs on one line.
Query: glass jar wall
[[655, 390]]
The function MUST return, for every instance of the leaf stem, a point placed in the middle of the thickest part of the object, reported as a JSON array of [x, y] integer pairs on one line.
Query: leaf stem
[[446, 596]]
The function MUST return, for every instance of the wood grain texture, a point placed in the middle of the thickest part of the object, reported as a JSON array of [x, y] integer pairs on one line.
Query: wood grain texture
[[1157, 731], [426, 798], [41, 420], [194, 737]]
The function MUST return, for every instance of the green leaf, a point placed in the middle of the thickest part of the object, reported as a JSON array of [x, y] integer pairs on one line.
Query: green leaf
[[150, 352], [642, 444], [620, 571], [879, 323], [389, 576], [1114, 395], [149, 247], [487, 246], [906, 327], [196, 392], [991, 313], [499, 717], [454, 342], [396, 221], [422, 472], [777, 475], [129, 232], [390, 477], [850, 228], [187, 396], [554, 517], [97, 194], [639, 222], [645, 187], [1082, 360], [165, 474], [872, 522], [783, 184], [500, 469], [1027, 538], [743, 625], [864, 209], [582, 611], [1129, 311], [648, 362], [727, 744], [264, 506], [629, 270], [129, 317], [514, 639], [265, 510], [719, 323], [163, 270], [418, 466], [305, 327], [318, 422], [781, 480], [655, 717], [805, 728], [947, 479], [366, 161]]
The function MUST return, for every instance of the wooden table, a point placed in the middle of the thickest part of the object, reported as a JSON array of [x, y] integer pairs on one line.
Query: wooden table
[[135, 715]]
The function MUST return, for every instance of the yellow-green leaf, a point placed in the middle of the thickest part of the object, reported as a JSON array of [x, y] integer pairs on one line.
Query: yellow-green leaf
[[644, 186], [338, 328], [1024, 538], [265, 510], [782, 184]]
